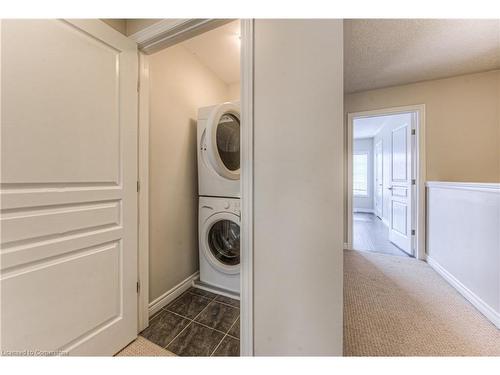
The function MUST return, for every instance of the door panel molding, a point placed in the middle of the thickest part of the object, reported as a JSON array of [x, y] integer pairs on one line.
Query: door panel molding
[[69, 213]]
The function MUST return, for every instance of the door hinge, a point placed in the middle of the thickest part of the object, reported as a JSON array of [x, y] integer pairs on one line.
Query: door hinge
[[138, 185], [413, 182], [138, 287], [413, 232], [138, 85], [413, 132]]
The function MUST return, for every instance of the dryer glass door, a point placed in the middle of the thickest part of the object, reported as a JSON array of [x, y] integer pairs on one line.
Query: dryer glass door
[[224, 242], [223, 140], [228, 141]]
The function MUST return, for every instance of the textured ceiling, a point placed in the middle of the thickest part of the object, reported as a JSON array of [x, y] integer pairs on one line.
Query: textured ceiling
[[380, 53], [219, 50]]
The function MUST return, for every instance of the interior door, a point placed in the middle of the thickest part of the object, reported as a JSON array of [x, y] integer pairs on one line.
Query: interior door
[[68, 187], [400, 189], [379, 182]]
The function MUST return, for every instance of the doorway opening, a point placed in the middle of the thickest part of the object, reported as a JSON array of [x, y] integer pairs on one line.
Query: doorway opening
[[385, 181], [194, 269]]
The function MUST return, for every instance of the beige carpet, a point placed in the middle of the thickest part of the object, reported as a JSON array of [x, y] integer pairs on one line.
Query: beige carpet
[[396, 306], [144, 348]]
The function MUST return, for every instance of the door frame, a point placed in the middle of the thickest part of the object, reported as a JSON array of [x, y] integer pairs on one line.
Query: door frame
[[166, 39], [375, 170], [418, 170]]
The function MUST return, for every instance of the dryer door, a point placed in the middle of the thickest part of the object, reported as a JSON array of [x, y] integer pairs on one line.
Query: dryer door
[[222, 241], [223, 140]]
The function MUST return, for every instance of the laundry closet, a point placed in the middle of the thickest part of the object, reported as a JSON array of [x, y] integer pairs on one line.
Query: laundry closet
[[194, 194]]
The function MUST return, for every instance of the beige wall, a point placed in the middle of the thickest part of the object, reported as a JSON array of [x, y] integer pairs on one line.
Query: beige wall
[[180, 84], [130, 26], [234, 91], [298, 163], [117, 24], [135, 25], [462, 123]]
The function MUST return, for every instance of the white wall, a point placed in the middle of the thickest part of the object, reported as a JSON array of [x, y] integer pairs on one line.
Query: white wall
[[360, 203], [298, 180], [180, 84], [464, 241], [385, 135]]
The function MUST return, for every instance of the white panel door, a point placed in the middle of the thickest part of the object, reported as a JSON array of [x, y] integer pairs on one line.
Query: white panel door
[[68, 187], [379, 179], [400, 188]]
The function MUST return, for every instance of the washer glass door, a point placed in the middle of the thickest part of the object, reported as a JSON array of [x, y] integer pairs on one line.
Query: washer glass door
[[224, 242]]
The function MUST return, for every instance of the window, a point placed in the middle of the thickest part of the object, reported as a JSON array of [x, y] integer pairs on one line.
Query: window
[[360, 174]]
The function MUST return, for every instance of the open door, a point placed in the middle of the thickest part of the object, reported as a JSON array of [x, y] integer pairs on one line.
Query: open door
[[400, 191], [68, 188]]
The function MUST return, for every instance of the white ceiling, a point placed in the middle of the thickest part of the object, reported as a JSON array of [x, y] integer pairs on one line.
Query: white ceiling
[[219, 50], [368, 127], [380, 53]]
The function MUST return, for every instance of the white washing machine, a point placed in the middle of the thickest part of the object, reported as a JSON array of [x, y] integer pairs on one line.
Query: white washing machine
[[219, 150], [219, 242]]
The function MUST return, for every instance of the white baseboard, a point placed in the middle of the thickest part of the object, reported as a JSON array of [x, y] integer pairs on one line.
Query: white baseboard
[[347, 246], [170, 295], [470, 296], [364, 210]]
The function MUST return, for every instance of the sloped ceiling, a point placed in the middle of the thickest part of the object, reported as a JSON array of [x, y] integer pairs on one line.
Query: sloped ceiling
[[219, 50]]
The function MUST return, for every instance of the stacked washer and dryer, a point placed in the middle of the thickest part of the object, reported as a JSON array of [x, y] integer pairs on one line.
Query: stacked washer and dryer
[[219, 196]]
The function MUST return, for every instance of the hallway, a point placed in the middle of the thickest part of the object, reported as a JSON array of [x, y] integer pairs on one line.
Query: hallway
[[370, 234], [395, 306]]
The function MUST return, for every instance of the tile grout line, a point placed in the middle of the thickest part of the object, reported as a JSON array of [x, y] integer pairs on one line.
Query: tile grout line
[[164, 308], [194, 321], [191, 322], [217, 347]]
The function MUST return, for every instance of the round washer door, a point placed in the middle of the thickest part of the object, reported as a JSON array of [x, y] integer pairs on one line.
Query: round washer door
[[222, 242], [223, 140]]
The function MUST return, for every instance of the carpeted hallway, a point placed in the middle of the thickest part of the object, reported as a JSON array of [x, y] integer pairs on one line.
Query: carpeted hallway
[[395, 306]]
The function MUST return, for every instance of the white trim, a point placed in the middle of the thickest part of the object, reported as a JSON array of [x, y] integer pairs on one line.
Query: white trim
[[247, 82], [470, 296], [420, 169], [172, 294], [168, 32], [476, 186], [143, 195], [347, 246], [364, 210], [156, 29]]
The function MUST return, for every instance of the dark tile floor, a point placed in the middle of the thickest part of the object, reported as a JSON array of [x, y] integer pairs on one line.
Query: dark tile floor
[[371, 234], [198, 323]]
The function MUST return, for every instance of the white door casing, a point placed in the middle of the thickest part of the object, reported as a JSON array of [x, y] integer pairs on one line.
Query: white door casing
[[68, 187], [379, 179], [400, 191]]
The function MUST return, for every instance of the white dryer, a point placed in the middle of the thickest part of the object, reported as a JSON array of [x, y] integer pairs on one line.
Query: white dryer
[[219, 150], [219, 242]]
